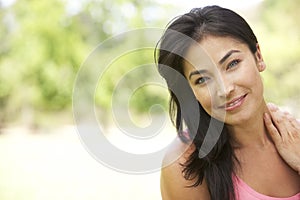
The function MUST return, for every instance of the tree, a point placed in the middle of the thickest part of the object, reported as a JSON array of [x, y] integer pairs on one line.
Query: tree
[[44, 43]]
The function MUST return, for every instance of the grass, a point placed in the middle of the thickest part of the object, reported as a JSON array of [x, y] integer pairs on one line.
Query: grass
[[53, 165]]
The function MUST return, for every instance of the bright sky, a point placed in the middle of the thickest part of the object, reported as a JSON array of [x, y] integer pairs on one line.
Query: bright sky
[[183, 5], [150, 13], [240, 6], [6, 3], [233, 4]]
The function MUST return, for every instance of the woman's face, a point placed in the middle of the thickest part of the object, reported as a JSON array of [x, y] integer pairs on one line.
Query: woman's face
[[225, 78]]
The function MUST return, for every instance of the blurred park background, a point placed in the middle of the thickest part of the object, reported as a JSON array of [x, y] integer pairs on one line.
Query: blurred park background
[[42, 46]]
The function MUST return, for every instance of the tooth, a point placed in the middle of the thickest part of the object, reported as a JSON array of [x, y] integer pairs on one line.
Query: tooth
[[233, 103]]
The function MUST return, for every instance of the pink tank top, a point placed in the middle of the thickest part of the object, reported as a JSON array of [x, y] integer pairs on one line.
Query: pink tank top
[[244, 192]]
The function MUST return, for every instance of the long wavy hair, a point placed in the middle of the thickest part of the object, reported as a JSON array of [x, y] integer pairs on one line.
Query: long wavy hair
[[216, 167]]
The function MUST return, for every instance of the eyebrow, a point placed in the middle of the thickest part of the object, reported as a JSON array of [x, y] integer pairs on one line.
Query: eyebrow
[[201, 71], [227, 55]]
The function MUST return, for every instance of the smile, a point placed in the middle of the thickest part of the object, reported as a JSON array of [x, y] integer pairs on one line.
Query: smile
[[234, 104]]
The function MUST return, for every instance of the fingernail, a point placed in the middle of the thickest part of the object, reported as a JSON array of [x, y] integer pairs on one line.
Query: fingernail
[[272, 106]]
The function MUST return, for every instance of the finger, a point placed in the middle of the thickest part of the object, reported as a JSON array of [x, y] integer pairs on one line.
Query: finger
[[292, 125], [273, 132], [272, 107], [295, 123], [279, 121]]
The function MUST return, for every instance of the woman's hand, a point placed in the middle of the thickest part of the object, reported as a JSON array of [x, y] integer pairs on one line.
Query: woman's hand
[[284, 129]]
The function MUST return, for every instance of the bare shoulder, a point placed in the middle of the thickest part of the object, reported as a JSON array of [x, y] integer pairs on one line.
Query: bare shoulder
[[173, 184]]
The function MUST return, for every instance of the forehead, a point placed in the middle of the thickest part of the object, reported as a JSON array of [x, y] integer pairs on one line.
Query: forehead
[[211, 49]]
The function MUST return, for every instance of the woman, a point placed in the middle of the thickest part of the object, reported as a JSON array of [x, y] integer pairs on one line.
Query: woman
[[255, 153]]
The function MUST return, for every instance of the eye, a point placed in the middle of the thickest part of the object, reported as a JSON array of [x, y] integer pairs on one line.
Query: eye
[[233, 64], [202, 80]]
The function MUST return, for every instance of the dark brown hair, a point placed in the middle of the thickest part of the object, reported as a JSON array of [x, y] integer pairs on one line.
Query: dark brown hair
[[217, 166]]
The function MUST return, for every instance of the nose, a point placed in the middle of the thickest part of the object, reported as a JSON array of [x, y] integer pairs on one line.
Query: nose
[[225, 87]]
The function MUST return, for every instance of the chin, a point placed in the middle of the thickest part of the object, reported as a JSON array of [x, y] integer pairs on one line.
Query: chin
[[237, 120]]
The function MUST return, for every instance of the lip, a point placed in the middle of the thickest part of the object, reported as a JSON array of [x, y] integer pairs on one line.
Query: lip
[[234, 104]]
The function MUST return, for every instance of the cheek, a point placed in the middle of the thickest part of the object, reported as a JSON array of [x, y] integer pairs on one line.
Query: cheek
[[254, 79], [205, 99], [249, 76]]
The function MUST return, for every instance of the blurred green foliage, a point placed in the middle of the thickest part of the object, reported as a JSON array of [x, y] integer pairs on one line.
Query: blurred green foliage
[[279, 32], [44, 43]]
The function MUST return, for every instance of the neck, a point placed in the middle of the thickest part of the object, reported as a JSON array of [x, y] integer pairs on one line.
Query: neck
[[251, 133]]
